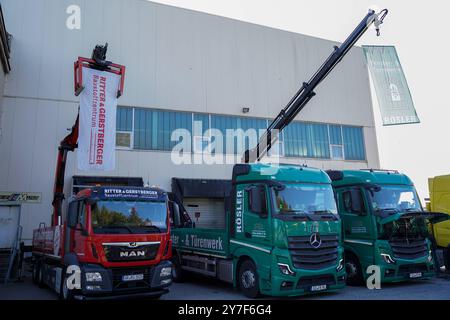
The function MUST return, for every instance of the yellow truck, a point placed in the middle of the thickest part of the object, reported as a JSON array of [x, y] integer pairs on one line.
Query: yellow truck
[[439, 201]]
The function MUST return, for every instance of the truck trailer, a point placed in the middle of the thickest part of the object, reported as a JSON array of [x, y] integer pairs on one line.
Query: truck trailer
[[279, 236], [384, 225]]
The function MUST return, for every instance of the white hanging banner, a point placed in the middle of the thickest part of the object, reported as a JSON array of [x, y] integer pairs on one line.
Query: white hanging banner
[[97, 124]]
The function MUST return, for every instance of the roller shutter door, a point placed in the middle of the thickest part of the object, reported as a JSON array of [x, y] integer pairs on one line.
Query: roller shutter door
[[206, 212]]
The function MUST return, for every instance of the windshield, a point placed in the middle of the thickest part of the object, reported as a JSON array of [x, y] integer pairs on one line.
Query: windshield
[[112, 217], [395, 199], [304, 199]]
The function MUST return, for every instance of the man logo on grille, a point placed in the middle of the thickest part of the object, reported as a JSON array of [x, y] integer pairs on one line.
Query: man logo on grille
[[315, 240], [132, 244]]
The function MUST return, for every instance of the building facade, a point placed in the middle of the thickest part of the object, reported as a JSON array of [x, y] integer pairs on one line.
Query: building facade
[[181, 66]]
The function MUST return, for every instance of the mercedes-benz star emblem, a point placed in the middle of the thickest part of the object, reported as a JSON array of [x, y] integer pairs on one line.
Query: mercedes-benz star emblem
[[315, 240]]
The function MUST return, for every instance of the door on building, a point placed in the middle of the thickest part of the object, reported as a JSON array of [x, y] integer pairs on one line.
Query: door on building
[[9, 222]]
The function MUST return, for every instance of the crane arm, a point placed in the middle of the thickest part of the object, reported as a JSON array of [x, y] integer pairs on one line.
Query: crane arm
[[70, 142], [306, 92]]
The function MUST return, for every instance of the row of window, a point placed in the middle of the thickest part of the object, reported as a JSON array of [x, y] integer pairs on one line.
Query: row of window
[[150, 129]]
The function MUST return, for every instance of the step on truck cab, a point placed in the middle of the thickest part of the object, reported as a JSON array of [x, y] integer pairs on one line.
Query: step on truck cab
[[117, 237], [383, 224], [281, 234]]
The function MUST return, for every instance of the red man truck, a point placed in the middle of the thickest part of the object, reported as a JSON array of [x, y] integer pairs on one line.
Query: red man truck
[[112, 241]]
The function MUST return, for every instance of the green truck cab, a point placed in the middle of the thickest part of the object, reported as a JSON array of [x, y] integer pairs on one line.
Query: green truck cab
[[383, 224], [281, 234]]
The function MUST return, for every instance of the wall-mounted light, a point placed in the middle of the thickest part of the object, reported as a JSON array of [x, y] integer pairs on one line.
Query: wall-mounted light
[[245, 110]]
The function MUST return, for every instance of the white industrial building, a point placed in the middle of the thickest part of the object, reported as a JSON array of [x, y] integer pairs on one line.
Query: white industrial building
[[181, 66]]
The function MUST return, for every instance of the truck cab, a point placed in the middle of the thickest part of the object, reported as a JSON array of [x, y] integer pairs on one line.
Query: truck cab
[[383, 224], [439, 201], [117, 237], [281, 236]]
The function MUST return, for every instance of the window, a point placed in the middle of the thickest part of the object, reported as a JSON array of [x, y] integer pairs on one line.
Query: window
[[336, 146], [308, 140], [151, 129], [241, 143], [353, 143], [201, 126], [353, 201], [124, 131]]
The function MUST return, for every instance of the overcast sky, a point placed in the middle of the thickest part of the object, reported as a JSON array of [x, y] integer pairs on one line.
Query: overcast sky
[[418, 29]]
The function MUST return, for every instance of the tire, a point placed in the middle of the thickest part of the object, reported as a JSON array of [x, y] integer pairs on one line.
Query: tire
[[446, 254], [64, 292], [354, 271], [178, 275], [248, 279], [35, 273], [40, 276]]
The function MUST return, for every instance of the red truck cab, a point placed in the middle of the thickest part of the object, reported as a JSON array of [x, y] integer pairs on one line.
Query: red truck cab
[[115, 242]]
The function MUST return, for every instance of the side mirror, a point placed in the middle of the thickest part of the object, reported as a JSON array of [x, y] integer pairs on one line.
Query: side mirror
[[257, 201], [80, 228]]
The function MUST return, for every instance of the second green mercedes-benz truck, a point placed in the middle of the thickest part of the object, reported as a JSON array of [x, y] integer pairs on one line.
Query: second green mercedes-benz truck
[[383, 224], [278, 234]]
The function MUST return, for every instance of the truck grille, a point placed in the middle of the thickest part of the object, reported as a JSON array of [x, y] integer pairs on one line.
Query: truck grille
[[119, 284], [125, 253], [411, 249], [305, 256]]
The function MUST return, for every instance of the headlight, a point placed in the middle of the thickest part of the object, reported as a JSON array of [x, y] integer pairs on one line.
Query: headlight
[[340, 265], [285, 269], [93, 277], [430, 256], [165, 272], [387, 258]]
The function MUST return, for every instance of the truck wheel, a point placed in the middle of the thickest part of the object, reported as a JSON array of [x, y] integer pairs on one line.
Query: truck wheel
[[354, 272], [447, 260], [177, 272], [40, 276], [35, 274], [249, 279], [65, 293]]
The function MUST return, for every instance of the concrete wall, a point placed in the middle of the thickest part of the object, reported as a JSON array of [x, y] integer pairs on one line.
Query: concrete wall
[[176, 59]]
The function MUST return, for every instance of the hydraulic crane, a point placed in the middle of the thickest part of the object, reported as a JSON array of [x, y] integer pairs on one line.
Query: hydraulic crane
[[306, 92], [69, 143]]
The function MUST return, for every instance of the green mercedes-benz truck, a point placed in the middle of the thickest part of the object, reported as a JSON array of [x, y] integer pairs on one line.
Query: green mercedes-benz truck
[[278, 234], [277, 231], [383, 224]]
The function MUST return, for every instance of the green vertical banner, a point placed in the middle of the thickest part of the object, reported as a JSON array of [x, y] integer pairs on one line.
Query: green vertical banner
[[391, 87]]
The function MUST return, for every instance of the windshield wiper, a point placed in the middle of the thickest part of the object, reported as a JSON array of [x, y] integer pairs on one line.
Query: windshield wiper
[[326, 214], [322, 212], [296, 213]]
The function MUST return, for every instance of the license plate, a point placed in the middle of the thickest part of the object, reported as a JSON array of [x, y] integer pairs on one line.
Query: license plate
[[319, 288], [132, 277], [415, 275]]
